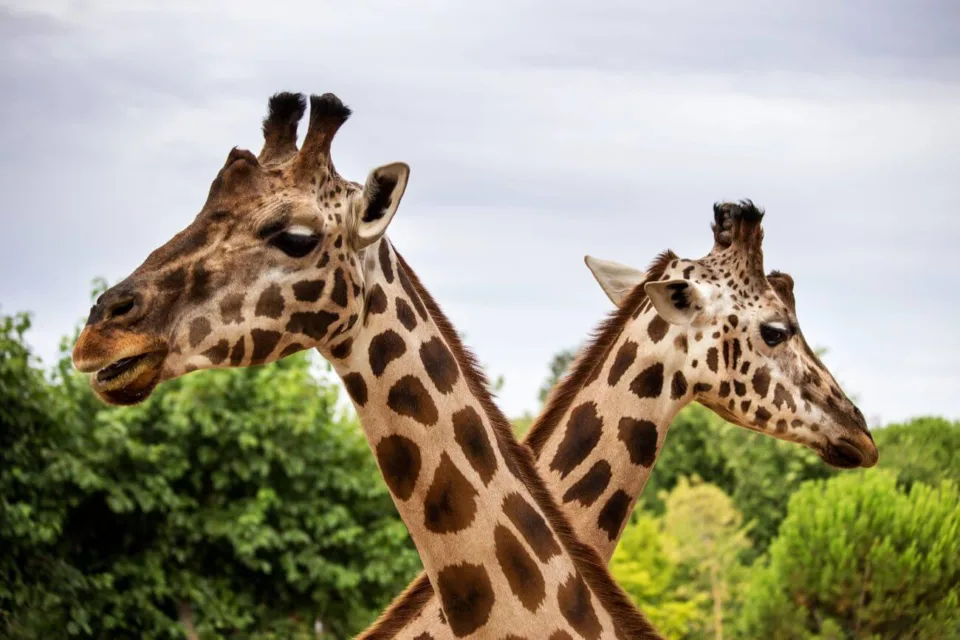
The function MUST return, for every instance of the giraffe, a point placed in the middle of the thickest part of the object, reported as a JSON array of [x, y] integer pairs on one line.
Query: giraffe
[[286, 255], [714, 330]]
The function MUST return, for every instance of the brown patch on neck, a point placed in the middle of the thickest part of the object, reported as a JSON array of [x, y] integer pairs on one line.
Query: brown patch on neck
[[591, 358], [630, 622]]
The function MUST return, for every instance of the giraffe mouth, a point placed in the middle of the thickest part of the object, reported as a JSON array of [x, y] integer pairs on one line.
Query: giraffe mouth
[[845, 455], [129, 380]]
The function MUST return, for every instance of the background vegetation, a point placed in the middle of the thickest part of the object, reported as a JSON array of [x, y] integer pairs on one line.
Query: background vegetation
[[243, 504]]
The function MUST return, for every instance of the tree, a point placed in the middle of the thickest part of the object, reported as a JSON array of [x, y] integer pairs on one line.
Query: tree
[[922, 450], [858, 556], [234, 501], [558, 366], [708, 535], [642, 566]]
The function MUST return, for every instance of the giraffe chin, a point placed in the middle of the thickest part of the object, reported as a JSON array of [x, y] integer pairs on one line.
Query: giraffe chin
[[130, 380]]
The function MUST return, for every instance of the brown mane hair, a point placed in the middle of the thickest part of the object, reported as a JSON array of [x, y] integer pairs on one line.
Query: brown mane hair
[[591, 357], [630, 622]]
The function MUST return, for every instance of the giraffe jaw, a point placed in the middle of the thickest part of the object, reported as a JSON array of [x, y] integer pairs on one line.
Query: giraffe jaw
[[129, 380]]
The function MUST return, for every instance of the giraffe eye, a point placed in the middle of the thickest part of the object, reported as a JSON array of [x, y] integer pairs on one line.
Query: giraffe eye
[[295, 245], [773, 334]]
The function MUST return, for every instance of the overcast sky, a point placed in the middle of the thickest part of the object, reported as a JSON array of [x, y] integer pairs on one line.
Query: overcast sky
[[537, 132]]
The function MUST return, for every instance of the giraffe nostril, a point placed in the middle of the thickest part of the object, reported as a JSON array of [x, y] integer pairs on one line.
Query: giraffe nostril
[[121, 308]]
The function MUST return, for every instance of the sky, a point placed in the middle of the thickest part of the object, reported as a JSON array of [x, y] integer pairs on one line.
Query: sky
[[537, 132]]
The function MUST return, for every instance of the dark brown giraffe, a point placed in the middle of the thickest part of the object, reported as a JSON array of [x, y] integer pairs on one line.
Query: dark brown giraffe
[[286, 255], [714, 330]]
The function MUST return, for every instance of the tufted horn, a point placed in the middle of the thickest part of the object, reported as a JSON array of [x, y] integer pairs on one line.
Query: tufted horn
[[284, 111], [327, 114], [737, 228]]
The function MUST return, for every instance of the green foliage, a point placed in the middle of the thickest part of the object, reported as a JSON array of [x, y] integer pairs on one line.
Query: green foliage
[[558, 366], [758, 472], [922, 450], [857, 556], [239, 496], [649, 575]]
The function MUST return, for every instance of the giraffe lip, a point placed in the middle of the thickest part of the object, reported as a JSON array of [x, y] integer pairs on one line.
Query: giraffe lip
[[842, 454], [129, 380], [118, 367]]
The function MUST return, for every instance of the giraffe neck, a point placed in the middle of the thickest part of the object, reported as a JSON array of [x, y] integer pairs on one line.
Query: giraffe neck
[[496, 549], [602, 431]]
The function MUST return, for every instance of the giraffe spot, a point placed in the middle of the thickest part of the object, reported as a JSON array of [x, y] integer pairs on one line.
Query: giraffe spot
[[761, 381], [411, 293], [200, 286], [291, 349], [451, 502], [681, 343], [795, 423], [625, 357], [405, 314], [230, 308], [270, 303], [308, 290], [574, 600], [263, 344], [356, 387], [376, 301], [724, 389], [781, 426], [591, 486], [678, 386], [342, 350], [739, 388], [408, 397], [733, 320], [520, 569], [531, 526], [384, 349], [399, 460], [311, 323], [218, 352], [745, 405], [614, 513], [386, 266], [782, 397], [339, 293], [687, 271], [640, 438], [649, 382], [339, 241], [745, 368], [582, 435], [737, 352], [236, 354], [726, 354], [762, 416], [712, 359], [173, 281], [199, 329], [467, 596], [324, 260], [439, 364], [657, 329], [469, 433], [702, 387]]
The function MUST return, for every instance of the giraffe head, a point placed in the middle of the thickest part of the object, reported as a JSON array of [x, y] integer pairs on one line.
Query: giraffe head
[[271, 265], [737, 342]]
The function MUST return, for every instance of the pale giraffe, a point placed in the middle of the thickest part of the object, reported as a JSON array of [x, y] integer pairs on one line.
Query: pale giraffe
[[286, 255], [714, 330]]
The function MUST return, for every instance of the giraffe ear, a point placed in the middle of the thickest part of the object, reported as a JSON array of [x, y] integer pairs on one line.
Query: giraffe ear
[[676, 301], [617, 280], [379, 201]]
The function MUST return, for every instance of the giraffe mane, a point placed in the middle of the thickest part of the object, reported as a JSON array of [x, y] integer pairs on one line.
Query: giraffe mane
[[591, 356], [633, 624]]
